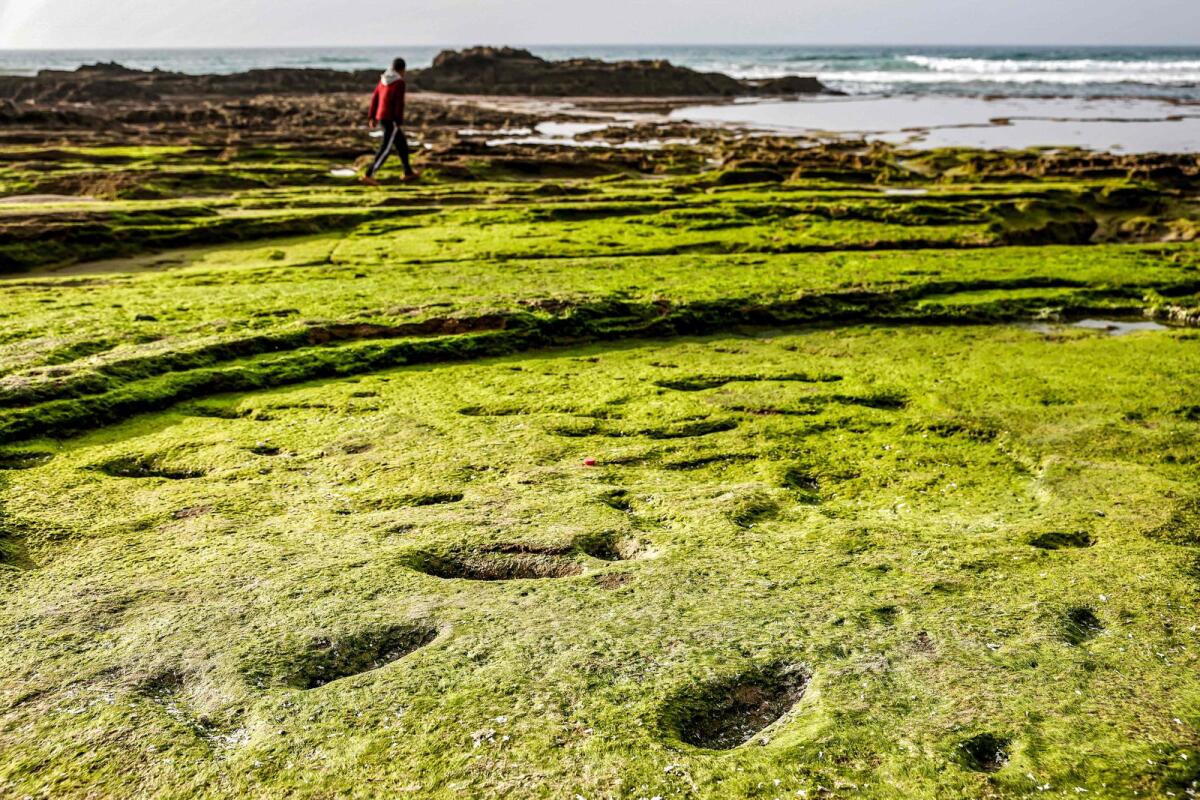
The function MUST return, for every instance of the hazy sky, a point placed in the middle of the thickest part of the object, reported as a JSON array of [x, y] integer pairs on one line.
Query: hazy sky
[[200, 23]]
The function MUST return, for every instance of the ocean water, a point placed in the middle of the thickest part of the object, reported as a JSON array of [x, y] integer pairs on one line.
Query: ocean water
[[1145, 72]]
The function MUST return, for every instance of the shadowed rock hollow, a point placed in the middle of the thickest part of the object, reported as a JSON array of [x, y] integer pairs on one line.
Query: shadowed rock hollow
[[487, 566], [726, 714], [326, 660]]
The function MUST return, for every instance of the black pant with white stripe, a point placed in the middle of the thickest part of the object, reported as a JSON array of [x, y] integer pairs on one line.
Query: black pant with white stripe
[[393, 138]]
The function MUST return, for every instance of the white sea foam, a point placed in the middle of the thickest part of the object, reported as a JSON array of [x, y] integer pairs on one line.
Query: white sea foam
[[1098, 67], [1171, 76], [894, 78]]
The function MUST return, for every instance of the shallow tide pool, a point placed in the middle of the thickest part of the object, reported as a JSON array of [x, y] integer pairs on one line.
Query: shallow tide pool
[[1133, 126]]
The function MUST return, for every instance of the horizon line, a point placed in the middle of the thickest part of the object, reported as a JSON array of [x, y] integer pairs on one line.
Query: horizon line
[[462, 45]]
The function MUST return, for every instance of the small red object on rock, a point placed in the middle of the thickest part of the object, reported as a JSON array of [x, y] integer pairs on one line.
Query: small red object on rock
[[589, 462]]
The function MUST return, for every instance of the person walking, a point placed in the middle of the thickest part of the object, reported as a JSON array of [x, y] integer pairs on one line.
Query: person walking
[[387, 110]]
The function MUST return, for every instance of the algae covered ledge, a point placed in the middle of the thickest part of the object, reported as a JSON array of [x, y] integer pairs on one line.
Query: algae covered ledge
[[735, 466]]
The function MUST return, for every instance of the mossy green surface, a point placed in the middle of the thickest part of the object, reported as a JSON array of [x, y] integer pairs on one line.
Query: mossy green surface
[[675, 488], [171, 197], [863, 502]]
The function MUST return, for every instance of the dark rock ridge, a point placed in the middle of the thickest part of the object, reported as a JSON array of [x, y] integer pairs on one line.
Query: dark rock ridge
[[100, 83], [507, 71], [481, 70]]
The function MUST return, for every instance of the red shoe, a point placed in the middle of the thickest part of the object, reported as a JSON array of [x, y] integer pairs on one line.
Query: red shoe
[[412, 176], [367, 180]]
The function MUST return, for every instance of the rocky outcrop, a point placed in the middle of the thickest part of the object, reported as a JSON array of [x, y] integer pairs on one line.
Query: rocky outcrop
[[286, 81], [101, 83], [508, 71], [791, 85]]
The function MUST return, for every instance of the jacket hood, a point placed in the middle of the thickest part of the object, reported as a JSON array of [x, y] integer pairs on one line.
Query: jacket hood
[[389, 77]]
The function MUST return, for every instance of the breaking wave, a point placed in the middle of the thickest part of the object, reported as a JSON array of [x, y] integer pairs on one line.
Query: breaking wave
[[1026, 76], [1072, 72]]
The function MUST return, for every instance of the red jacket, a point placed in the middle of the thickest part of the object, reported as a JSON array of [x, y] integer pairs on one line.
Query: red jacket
[[387, 104]]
